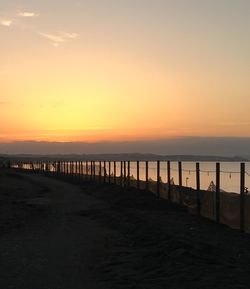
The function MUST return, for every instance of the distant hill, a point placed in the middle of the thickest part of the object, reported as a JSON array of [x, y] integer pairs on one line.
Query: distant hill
[[119, 157]]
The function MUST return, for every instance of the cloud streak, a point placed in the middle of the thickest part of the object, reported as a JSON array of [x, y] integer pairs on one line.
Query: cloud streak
[[6, 23], [59, 38], [27, 14], [56, 39]]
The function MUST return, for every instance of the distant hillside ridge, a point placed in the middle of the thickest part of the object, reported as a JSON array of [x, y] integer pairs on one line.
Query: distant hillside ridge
[[124, 157]]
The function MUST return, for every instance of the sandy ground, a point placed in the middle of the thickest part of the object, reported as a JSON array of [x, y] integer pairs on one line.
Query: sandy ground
[[64, 234]]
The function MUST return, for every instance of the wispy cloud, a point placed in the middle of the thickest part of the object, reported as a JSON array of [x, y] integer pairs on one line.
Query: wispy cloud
[[59, 38], [18, 20], [53, 37], [27, 14], [69, 35], [6, 22]]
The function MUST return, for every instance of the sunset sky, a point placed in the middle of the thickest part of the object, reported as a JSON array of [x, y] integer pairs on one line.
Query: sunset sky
[[94, 70]]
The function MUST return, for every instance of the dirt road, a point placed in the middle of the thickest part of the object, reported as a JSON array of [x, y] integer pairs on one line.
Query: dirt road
[[44, 243], [56, 234]]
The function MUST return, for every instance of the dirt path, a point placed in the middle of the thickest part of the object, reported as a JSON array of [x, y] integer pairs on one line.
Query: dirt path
[[44, 243], [59, 235]]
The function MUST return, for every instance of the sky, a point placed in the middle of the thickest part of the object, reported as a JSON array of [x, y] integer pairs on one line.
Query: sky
[[124, 70]]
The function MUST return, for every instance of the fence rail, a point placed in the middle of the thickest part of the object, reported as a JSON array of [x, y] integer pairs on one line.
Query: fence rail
[[159, 177]]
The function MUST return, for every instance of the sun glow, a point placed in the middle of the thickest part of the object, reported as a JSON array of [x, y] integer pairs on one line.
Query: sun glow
[[87, 79]]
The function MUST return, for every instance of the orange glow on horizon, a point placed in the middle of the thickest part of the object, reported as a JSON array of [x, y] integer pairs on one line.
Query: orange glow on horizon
[[86, 78]]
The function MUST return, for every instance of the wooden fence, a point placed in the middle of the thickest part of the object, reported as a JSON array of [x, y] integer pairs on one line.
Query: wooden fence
[[119, 173]]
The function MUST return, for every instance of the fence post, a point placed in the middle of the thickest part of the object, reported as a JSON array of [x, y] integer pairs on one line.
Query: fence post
[[81, 164], [129, 174], [147, 187], [138, 175], [180, 181], [94, 170], [158, 180], [87, 170], [105, 172], [169, 179], [242, 197], [217, 193], [180, 173], [109, 166], [91, 170], [198, 188], [100, 171], [124, 173], [121, 172], [115, 172]]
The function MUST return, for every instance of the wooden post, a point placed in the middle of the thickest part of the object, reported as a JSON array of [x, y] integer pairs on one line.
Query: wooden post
[[93, 170], [100, 171], [105, 172], [87, 170], [138, 174], [158, 180], [125, 173], [129, 174], [121, 172], [109, 172], [242, 197], [81, 163], [180, 181], [198, 188], [169, 179], [147, 186], [115, 172], [217, 193], [180, 173]]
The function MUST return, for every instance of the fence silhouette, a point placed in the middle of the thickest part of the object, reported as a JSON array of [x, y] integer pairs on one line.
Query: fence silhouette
[[232, 209]]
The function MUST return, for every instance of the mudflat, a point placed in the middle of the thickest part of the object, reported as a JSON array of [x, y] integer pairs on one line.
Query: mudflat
[[65, 233]]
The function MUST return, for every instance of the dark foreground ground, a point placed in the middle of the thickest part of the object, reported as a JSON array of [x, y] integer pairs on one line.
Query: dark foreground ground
[[59, 235]]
